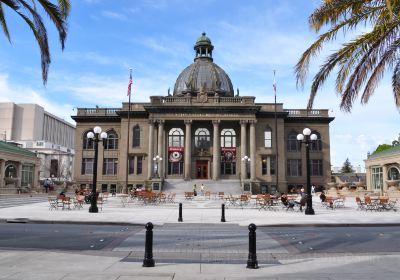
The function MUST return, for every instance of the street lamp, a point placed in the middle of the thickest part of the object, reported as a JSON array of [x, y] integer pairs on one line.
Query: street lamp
[[306, 138], [246, 160], [96, 136], [157, 159]]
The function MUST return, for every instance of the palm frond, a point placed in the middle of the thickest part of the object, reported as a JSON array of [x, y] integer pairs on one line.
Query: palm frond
[[4, 23], [396, 83]]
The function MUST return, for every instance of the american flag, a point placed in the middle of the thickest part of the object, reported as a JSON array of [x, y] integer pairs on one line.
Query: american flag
[[130, 84]]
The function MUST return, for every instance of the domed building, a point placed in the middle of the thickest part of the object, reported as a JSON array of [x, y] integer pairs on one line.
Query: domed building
[[203, 133]]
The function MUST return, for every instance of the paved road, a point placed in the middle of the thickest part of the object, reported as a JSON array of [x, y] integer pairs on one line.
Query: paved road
[[18, 200], [202, 243]]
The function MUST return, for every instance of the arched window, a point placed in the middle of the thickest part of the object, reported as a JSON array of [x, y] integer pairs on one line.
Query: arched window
[[393, 173], [176, 138], [267, 137], [11, 171], [202, 138], [316, 145], [87, 144], [136, 136], [112, 140], [228, 138], [293, 144], [228, 151]]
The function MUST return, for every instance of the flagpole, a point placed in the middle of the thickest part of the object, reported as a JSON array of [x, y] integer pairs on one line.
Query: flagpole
[[129, 125], [276, 140]]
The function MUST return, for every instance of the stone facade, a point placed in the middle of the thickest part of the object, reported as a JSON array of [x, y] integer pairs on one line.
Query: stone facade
[[204, 132]]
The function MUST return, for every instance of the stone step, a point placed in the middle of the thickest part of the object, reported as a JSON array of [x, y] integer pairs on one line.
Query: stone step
[[180, 186]]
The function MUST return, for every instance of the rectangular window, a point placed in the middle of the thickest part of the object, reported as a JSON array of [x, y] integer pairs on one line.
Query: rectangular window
[[267, 139], [264, 165], [131, 165], [87, 166], [139, 165], [294, 167], [377, 178], [272, 166], [136, 137], [110, 166], [27, 175], [316, 167], [228, 168]]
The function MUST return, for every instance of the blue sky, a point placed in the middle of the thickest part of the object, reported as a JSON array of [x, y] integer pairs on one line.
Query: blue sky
[[156, 38]]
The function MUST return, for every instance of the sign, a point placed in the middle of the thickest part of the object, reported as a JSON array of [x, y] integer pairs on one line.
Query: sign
[[175, 154], [228, 154]]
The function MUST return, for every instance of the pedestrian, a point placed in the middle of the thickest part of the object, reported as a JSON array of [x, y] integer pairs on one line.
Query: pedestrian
[[46, 185], [202, 189], [312, 189], [194, 190]]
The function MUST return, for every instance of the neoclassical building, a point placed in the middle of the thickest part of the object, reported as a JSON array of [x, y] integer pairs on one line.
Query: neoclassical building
[[203, 131]]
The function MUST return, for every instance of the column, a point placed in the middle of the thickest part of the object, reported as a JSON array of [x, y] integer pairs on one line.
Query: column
[[160, 150], [243, 148], [2, 172], [253, 150], [19, 174], [269, 166], [151, 150], [216, 151], [188, 149], [384, 178]]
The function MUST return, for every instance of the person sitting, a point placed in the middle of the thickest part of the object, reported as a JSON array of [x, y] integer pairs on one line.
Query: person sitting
[[285, 201], [303, 199]]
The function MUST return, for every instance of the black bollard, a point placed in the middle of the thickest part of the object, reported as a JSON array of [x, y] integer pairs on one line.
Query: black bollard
[[148, 260], [252, 259], [180, 213], [223, 213]]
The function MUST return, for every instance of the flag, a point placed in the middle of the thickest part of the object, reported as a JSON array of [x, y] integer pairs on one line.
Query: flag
[[274, 85], [130, 84]]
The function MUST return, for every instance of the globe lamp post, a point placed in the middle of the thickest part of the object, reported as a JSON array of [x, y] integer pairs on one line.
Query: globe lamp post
[[96, 136], [307, 139], [157, 159], [246, 161]]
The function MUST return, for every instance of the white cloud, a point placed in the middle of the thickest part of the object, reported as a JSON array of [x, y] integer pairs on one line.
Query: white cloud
[[23, 94], [114, 15]]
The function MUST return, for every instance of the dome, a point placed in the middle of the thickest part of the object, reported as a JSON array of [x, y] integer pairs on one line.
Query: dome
[[203, 75]]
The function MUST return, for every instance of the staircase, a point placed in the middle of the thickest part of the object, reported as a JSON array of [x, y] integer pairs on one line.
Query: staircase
[[180, 186]]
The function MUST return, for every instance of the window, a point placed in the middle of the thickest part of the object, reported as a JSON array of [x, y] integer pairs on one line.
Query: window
[[111, 141], [27, 175], [294, 167], [110, 166], [264, 166], [139, 165], [316, 167], [393, 173], [293, 144], [136, 136], [228, 168], [131, 165], [268, 138], [202, 138], [377, 178], [87, 166], [316, 145], [87, 143], [268, 162], [176, 138], [54, 167], [228, 138], [272, 165]]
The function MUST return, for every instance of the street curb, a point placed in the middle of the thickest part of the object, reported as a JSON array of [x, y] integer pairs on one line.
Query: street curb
[[28, 221]]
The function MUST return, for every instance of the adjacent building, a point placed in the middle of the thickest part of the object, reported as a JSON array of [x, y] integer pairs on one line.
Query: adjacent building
[[383, 169], [50, 137], [203, 131]]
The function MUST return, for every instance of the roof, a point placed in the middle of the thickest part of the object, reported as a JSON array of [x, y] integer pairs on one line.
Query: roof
[[15, 149], [391, 151]]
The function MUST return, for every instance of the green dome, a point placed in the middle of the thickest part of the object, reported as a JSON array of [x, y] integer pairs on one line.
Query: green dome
[[203, 39]]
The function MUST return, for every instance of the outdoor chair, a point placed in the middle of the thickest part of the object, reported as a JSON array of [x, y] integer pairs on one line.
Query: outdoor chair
[[221, 195], [369, 204], [244, 200], [52, 203], [207, 195], [360, 204]]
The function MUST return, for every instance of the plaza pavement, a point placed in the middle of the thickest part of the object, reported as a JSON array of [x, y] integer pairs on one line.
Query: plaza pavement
[[200, 210], [88, 265]]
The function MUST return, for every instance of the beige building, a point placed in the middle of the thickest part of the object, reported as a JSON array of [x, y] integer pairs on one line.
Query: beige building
[[202, 132], [50, 137], [19, 169], [383, 170]]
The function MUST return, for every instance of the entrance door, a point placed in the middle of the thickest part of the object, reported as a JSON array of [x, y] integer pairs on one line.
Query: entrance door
[[201, 169]]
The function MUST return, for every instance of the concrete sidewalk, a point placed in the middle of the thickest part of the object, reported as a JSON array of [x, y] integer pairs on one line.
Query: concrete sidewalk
[[200, 210], [88, 265]]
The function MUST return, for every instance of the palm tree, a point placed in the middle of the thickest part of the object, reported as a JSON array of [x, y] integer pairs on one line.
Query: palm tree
[[361, 63], [29, 13]]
